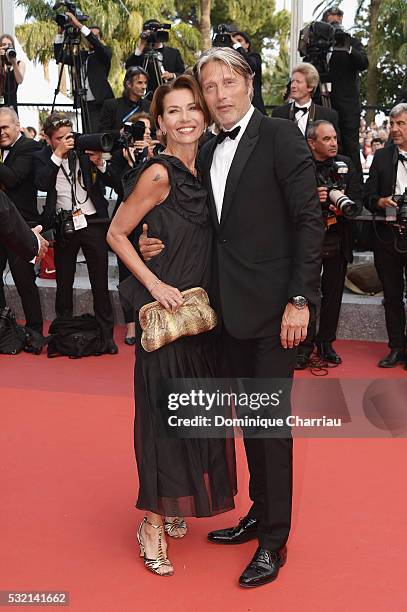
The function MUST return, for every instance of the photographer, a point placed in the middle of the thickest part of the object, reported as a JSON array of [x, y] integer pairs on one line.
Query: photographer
[[119, 110], [384, 190], [337, 248], [242, 44], [96, 63], [169, 60], [302, 110], [347, 60], [75, 183], [17, 182], [11, 72]]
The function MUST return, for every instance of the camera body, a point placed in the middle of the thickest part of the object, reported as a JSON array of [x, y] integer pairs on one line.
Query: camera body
[[223, 36], [156, 33], [64, 22], [401, 213], [131, 133], [317, 39], [64, 227], [336, 184]]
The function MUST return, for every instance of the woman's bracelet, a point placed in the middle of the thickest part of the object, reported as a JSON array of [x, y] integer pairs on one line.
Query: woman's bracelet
[[157, 282]]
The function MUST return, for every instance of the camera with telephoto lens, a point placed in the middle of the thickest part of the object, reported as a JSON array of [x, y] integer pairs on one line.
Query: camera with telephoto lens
[[156, 33], [317, 39], [93, 142], [336, 184], [401, 213], [64, 22], [223, 37]]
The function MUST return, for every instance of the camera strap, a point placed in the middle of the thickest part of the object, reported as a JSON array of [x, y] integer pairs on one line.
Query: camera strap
[[69, 178]]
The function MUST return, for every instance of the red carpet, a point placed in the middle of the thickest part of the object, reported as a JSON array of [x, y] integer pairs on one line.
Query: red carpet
[[68, 483]]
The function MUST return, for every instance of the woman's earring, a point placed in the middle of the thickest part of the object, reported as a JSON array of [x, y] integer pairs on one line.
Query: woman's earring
[[164, 133]]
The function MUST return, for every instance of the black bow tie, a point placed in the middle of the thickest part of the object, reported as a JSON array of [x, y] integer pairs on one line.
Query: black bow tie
[[232, 134], [300, 109], [402, 158]]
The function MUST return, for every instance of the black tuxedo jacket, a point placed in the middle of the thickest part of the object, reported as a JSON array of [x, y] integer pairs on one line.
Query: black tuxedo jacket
[[269, 239], [14, 231], [381, 183], [45, 176], [172, 62], [17, 178], [113, 112], [97, 66], [319, 112]]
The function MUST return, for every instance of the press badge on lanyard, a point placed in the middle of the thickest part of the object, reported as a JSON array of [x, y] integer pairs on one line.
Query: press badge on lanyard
[[79, 219]]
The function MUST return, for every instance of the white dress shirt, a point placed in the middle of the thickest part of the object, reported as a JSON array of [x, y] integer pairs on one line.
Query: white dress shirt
[[302, 118], [222, 160], [401, 180], [64, 193]]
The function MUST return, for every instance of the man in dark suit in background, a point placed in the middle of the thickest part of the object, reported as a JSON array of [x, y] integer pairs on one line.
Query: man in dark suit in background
[[344, 66], [388, 178], [302, 110], [17, 181], [170, 62], [15, 234], [337, 249], [115, 112], [262, 196], [242, 44], [96, 63]]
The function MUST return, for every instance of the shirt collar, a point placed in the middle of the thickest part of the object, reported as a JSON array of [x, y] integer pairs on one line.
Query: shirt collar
[[243, 123], [307, 105]]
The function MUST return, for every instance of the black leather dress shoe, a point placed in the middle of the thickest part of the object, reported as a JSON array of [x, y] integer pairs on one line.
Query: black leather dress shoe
[[263, 568], [395, 357], [130, 340], [112, 347], [302, 362], [243, 532], [326, 352]]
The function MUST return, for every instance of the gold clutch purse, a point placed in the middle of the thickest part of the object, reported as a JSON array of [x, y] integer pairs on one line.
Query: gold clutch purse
[[161, 327]]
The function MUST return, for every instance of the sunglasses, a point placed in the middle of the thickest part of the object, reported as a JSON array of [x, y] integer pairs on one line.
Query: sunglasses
[[60, 123]]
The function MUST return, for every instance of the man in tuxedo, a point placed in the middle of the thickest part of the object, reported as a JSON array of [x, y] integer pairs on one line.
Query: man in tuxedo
[[75, 183], [337, 249], [388, 178], [170, 62], [96, 63], [16, 181], [119, 110], [302, 110], [15, 234], [262, 196]]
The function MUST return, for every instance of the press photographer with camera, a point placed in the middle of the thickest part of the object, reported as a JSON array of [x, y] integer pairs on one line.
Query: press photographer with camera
[[386, 197], [347, 60], [301, 109], [340, 196], [119, 110], [17, 182], [73, 173], [162, 63], [12, 72], [242, 43], [95, 61]]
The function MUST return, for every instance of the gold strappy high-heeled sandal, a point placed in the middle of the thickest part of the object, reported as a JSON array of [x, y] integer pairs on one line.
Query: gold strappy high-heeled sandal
[[154, 565], [177, 522]]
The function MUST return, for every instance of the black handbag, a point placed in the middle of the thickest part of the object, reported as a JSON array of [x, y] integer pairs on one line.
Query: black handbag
[[13, 337]]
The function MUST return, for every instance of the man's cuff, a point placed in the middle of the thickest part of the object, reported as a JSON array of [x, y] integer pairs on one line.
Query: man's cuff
[[237, 45], [39, 246], [56, 159], [85, 30], [59, 39]]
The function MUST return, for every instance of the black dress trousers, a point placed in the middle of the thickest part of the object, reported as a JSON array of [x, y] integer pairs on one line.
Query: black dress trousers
[[92, 241], [269, 458]]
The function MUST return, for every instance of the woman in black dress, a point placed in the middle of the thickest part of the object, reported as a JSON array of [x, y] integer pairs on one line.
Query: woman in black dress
[[177, 477], [11, 73]]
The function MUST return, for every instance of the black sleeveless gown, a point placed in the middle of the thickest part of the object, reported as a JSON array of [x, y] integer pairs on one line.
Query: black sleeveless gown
[[179, 477]]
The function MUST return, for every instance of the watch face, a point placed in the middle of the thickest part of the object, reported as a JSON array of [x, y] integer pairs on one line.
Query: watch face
[[299, 301]]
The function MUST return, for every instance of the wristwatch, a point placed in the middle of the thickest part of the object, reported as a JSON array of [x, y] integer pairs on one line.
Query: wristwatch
[[299, 301]]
